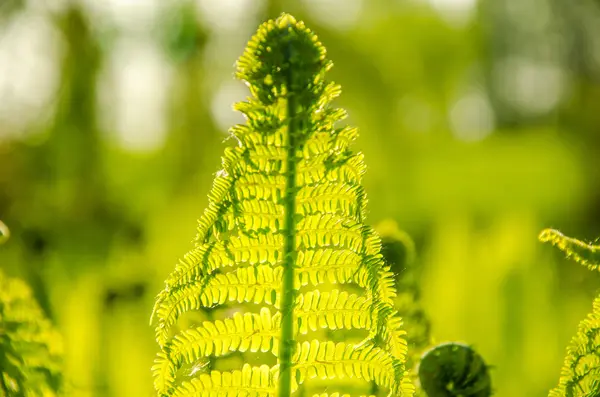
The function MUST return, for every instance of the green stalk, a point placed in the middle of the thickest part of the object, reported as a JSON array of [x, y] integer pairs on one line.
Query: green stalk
[[286, 344], [4, 233]]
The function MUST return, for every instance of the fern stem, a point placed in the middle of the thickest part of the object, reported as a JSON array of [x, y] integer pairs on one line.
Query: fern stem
[[286, 345], [4, 233]]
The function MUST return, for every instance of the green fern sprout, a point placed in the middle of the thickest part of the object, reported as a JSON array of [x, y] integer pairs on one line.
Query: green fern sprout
[[580, 375], [454, 370], [282, 249], [30, 349]]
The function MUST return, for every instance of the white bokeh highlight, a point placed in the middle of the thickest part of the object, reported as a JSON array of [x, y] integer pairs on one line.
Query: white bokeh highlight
[[222, 103], [532, 87], [455, 12], [30, 52], [134, 95], [472, 116], [127, 15], [337, 14], [229, 15]]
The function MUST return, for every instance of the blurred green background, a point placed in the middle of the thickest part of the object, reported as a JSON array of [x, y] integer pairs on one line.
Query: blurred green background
[[479, 120]]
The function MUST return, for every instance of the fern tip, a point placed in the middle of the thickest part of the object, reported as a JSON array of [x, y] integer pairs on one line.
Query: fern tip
[[285, 20], [548, 235]]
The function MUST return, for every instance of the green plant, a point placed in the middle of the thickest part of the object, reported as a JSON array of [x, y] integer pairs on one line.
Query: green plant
[[454, 369], [580, 375], [30, 349], [286, 214]]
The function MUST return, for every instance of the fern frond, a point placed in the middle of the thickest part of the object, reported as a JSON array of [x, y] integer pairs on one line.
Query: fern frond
[[332, 310], [285, 212], [580, 375], [30, 349], [259, 332], [249, 382], [258, 284], [328, 360], [242, 332], [583, 253]]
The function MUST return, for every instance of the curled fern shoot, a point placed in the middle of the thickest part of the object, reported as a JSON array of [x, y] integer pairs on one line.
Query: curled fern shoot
[[283, 261], [30, 349], [454, 370], [585, 254]]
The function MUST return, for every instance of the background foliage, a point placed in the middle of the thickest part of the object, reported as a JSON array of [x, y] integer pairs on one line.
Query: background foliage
[[478, 120]]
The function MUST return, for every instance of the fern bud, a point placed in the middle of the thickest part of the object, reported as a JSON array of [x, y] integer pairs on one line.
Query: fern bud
[[286, 281], [284, 58], [454, 370]]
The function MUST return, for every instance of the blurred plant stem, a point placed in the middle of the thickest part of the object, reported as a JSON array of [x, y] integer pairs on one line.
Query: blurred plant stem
[[4, 233]]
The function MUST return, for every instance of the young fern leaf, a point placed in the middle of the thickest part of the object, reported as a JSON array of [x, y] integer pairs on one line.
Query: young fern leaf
[[284, 240], [585, 254], [30, 349], [580, 375]]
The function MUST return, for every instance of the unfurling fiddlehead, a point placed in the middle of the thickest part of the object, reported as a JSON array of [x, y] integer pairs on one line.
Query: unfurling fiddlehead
[[580, 375], [282, 250], [585, 254], [454, 370]]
